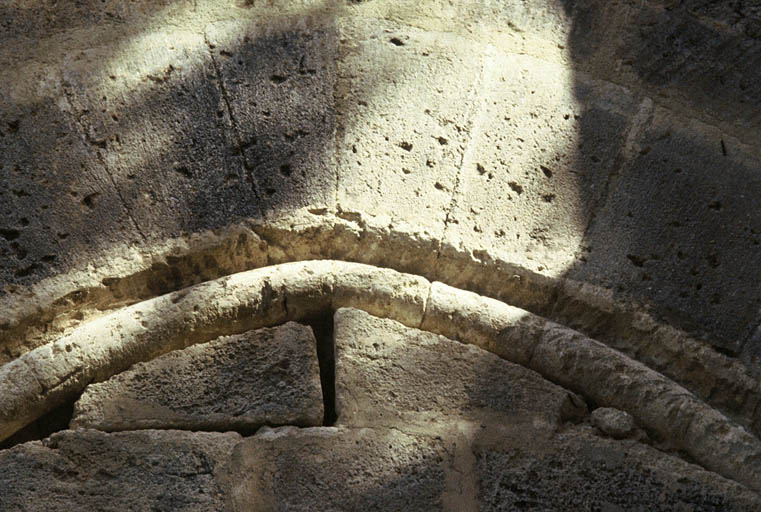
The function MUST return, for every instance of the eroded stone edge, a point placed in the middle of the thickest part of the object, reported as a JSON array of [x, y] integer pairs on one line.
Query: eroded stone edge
[[48, 375], [57, 305]]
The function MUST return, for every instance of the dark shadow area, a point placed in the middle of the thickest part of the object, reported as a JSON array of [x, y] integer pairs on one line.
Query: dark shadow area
[[679, 226], [236, 124], [322, 326], [56, 420]]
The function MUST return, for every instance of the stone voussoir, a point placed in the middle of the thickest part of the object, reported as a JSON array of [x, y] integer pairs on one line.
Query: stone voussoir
[[58, 371], [62, 302], [239, 382], [388, 374]]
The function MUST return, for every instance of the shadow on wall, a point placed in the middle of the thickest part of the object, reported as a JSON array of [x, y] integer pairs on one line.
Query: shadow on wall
[[679, 228], [160, 132], [154, 134]]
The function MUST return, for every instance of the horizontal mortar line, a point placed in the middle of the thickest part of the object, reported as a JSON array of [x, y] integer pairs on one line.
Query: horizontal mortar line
[[256, 298]]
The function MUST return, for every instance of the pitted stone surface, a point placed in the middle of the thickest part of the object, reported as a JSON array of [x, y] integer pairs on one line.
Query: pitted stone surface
[[277, 79], [389, 374], [152, 119], [579, 471], [338, 469], [644, 240], [521, 192], [239, 382], [417, 136], [135, 471], [405, 99]]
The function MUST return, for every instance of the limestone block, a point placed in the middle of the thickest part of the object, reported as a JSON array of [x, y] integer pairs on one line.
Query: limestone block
[[389, 374], [91, 470], [381, 291], [658, 404], [155, 115], [53, 188], [681, 231], [544, 141], [240, 382], [653, 47], [337, 469], [277, 78], [504, 330], [579, 471], [405, 98]]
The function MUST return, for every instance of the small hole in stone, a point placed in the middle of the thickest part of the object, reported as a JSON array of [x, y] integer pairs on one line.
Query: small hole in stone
[[10, 234], [396, 41], [89, 200], [286, 170], [516, 187], [182, 169]]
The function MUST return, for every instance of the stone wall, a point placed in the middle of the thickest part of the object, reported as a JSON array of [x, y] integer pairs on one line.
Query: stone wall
[[570, 189]]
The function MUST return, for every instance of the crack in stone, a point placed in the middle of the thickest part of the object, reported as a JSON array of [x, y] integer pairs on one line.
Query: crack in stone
[[247, 167], [624, 156], [473, 123], [88, 139]]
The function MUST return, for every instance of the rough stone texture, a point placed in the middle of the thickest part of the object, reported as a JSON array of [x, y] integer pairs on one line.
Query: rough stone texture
[[277, 80], [405, 99], [151, 117], [382, 292], [697, 56], [241, 382], [389, 374], [52, 186], [522, 193], [681, 229], [504, 330], [578, 471], [134, 471], [339, 469], [57, 372], [609, 378], [124, 123], [617, 424]]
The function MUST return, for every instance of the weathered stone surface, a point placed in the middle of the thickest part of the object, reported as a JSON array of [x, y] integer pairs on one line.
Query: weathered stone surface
[[404, 98], [91, 470], [53, 188], [337, 469], [693, 55], [658, 404], [579, 471], [509, 332], [615, 423], [381, 292], [240, 382], [389, 374], [57, 372], [681, 230], [277, 79], [156, 118], [523, 194]]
